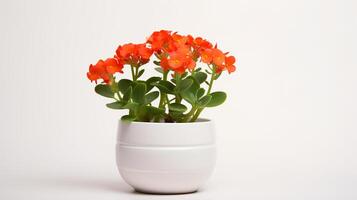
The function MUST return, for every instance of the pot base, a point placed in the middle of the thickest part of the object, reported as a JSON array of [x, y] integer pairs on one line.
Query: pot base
[[165, 182], [163, 193]]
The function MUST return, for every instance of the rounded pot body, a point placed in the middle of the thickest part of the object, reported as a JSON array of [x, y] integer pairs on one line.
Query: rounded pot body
[[166, 158]]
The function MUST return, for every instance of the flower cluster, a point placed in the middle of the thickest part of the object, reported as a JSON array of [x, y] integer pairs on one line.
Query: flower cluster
[[134, 54], [175, 54], [104, 69], [180, 53]]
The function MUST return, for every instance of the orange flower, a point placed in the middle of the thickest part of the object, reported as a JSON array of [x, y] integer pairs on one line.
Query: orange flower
[[181, 59], [229, 63], [164, 64], [176, 60], [104, 69], [207, 56], [159, 39], [199, 42], [137, 54], [143, 52], [175, 51], [217, 57], [180, 53], [212, 56], [126, 51], [179, 40]]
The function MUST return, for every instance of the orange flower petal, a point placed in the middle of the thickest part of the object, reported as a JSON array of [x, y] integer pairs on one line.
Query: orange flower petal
[[218, 57], [92, 77], [164, 64], [231, 68], [230, 60], [144, 52], [206, 56], [126, 50]]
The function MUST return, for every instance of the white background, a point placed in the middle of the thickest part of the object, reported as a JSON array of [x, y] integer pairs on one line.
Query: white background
[[287, 130]]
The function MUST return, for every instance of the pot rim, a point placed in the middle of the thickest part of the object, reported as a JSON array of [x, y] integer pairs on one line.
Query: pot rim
[[198, 121]]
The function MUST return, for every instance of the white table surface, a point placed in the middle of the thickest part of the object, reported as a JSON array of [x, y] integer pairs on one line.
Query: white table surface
[[59, 176]]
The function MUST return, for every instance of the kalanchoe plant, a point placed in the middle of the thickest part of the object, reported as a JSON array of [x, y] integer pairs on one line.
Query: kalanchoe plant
[[184, 89]]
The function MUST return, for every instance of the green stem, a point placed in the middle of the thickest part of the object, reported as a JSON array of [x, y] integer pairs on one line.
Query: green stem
[[195, 116], [136, 72], [167, 101], [163, 96], [198, 112], [132, 72], [178, 80], [189, 114], [120, 98], [114, 88], [211, 81]]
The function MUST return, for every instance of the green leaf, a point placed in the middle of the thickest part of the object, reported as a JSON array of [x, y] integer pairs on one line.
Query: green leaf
[[217, 99], [165, 86], [200, 77], [153, 110], [141, 72], [151, 80], [139, 93], [189, 97], [104, 90], [184, 84], [200, 93], [177, 107], [190, 94], [147, 113], [127, 94], [157, 63], [124, 84], [137, 82], [203, 102], [151, 97], [198, 69], [177, 116], [128, 118], [159, 69], [116, 105], [131, 106]]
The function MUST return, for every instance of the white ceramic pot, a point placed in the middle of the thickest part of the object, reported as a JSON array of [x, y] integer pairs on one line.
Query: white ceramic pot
[[166, 158]]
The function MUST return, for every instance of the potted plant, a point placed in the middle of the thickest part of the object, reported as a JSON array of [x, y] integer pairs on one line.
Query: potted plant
[[163, 146]]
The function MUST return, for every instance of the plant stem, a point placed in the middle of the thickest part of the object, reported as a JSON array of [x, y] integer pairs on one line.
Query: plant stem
[[211, 81], [195, 116], [136, 72], [189, 114], [120, 98], [178, 80], [163, 96], [132, 72], [198, 112]]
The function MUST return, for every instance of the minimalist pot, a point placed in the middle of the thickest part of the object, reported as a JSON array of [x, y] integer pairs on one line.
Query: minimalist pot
[[166, 158]]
